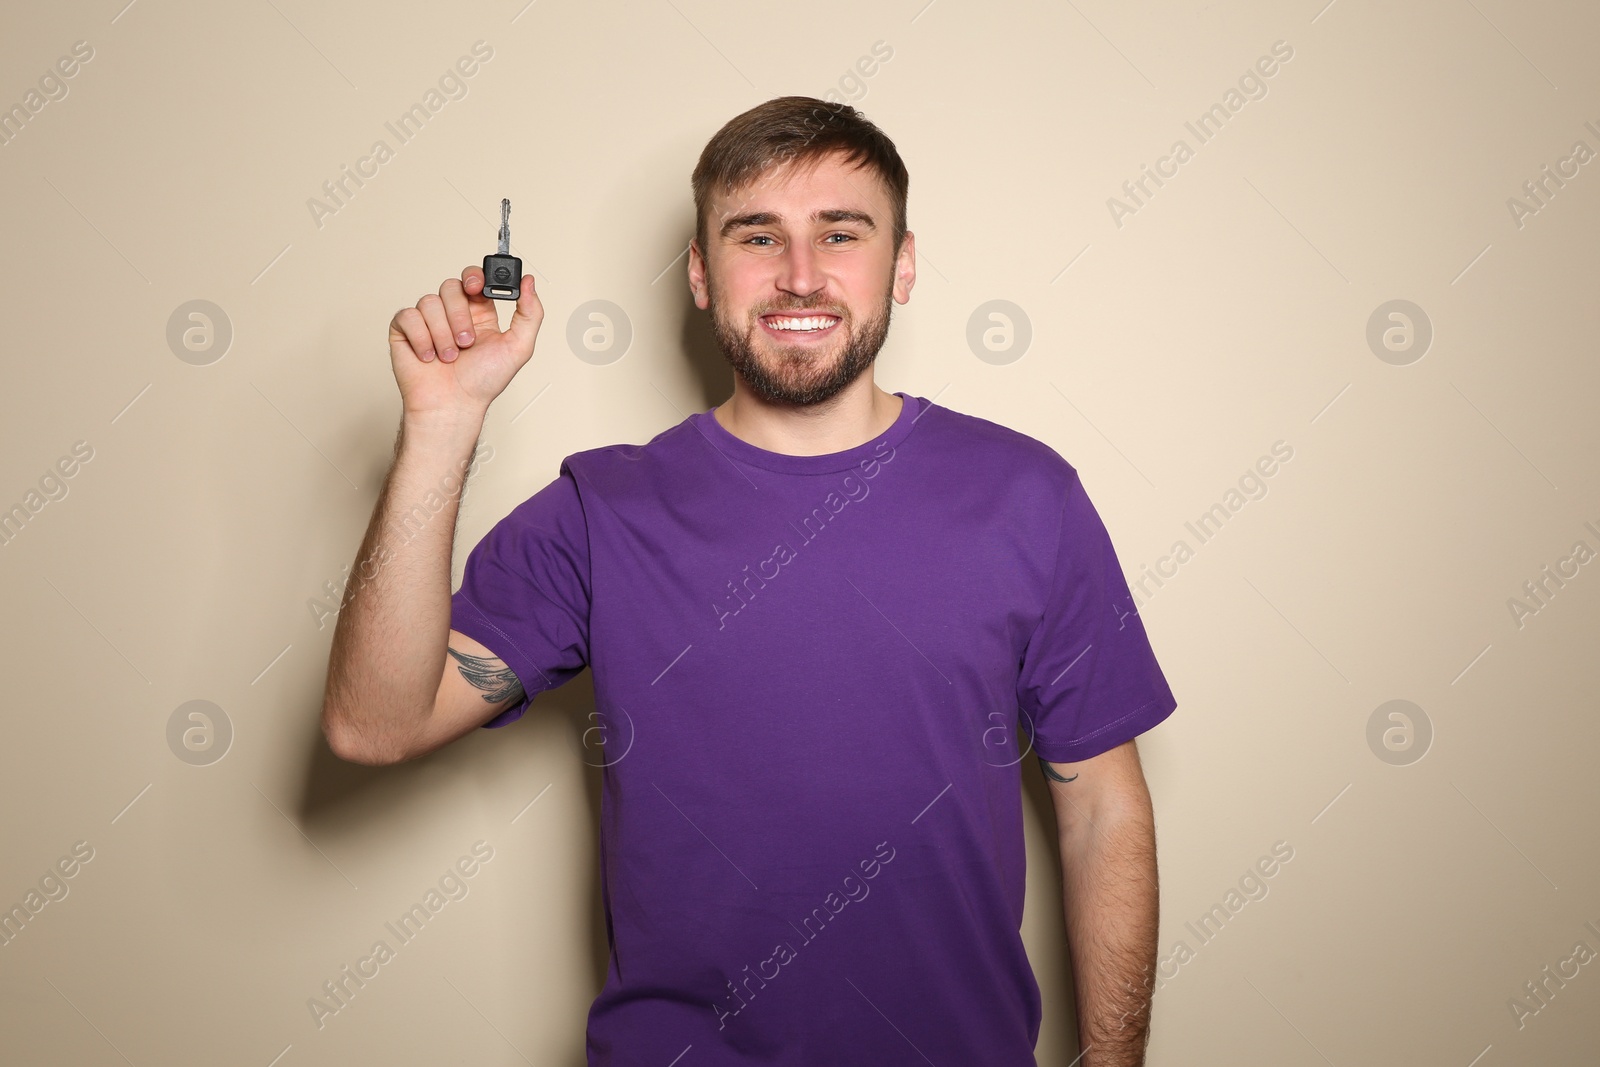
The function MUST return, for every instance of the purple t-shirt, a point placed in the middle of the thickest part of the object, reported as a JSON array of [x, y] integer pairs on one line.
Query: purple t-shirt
[[808, 672]]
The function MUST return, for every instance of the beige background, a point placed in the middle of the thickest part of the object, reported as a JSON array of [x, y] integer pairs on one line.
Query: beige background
[[1227, 313]]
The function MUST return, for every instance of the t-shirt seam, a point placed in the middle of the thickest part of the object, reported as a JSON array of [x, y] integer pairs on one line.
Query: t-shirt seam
[[1055, 569], [750, 462], [529, 660], [1108, 726], [581, 493]]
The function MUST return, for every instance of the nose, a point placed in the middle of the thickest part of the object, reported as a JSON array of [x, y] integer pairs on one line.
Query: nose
[[800, 270]]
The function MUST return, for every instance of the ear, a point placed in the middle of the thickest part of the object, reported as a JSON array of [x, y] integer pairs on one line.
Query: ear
[[697, 276], [905, 269]]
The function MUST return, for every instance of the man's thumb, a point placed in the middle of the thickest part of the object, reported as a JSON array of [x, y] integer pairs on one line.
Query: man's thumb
[[524, 326]]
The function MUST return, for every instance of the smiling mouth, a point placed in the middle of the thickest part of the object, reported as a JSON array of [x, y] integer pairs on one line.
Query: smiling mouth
[[797, 326]]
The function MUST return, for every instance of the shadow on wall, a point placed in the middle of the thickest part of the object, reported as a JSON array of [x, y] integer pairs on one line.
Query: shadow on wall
[[347, 808], [1052, 972]]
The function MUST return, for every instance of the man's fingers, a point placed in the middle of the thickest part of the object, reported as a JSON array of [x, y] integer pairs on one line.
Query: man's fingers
[[444, 342], [409, 323], [456, 312]]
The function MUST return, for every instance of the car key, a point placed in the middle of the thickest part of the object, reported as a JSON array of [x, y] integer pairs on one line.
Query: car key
[[502, 272]]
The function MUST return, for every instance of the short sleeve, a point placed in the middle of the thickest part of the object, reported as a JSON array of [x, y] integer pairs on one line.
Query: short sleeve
[[1089, 679], [525, 592]]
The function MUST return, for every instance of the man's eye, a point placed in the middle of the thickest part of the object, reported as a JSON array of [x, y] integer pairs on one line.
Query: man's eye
[[765, 237]]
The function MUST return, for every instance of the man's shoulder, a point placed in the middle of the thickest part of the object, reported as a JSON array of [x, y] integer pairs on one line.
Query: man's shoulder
[[615, 467], [989, 445]]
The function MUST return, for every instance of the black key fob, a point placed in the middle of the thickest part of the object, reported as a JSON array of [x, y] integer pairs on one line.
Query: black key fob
[[502, 277], [502, 271]]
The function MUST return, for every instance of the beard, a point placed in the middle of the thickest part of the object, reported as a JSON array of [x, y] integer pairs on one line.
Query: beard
[[796, 375]]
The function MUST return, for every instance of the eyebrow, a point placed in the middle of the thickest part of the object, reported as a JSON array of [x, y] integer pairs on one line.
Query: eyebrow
[[772, 218]]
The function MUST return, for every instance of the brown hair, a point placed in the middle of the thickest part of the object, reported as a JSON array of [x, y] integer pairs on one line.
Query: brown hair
[[800, 130]]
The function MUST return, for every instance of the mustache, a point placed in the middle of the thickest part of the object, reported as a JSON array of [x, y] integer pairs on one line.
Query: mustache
[[836, 313]]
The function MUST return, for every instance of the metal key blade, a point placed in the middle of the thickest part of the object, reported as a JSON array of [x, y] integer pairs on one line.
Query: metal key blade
[[505, 227]]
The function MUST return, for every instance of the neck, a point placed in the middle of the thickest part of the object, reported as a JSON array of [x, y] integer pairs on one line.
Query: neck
[[860, 412]]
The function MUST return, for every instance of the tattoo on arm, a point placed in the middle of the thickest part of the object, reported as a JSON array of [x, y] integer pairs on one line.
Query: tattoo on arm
[[1050, 771], [498, 682]]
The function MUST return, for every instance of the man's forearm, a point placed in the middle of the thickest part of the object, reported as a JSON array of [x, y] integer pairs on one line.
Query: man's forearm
[[1112, 909], [388, 645]]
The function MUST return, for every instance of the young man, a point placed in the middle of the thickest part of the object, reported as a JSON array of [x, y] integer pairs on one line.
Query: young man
[[815, 615]]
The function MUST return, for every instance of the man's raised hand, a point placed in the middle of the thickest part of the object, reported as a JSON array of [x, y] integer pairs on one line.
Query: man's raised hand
[[438, 372]]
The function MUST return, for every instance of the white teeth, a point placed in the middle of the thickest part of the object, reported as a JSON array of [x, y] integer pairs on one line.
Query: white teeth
[[813, 323]]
